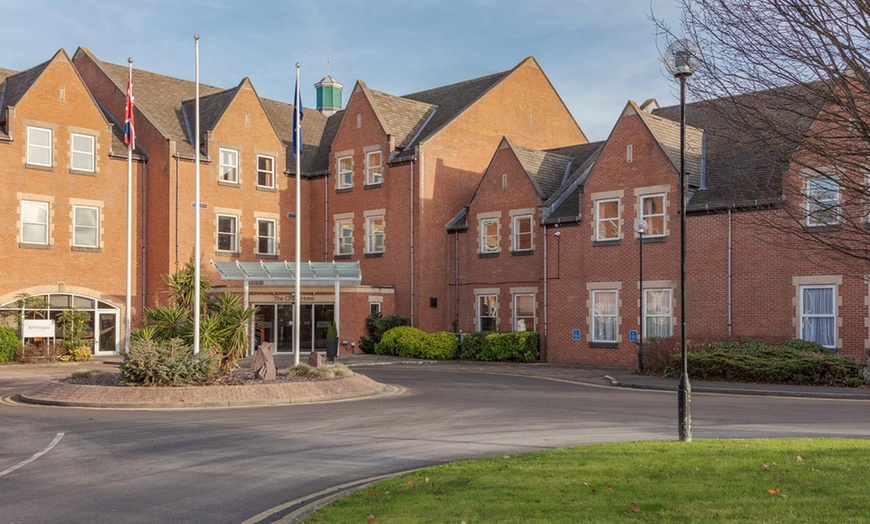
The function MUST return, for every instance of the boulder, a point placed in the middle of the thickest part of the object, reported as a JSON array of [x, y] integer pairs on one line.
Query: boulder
[[263, 363], [315, 359]]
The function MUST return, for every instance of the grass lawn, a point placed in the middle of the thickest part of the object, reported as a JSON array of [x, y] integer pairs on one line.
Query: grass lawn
[[771, 480]]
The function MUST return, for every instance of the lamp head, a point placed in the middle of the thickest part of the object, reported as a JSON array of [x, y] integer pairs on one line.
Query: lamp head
[[682, 58], [640, 226]]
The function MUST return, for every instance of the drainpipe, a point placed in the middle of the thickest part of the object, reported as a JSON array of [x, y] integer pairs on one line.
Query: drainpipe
[[176, 210], [326, 218], [730, 249], [546, 278], [143, 227], [456, 280], [413, 301]]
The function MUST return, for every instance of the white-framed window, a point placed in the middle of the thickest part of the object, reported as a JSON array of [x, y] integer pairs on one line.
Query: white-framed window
[[344, 236], [524, 312], [607, 219], [374, 169], [489, 235], [34, 222], [487, 312], [652, 210], [374, 308], [345, 172], [522, 233], [819, 314], [228, 233], [229, 165], [86, 226], [823, 201], [266, 236], [265, 171], [657, 313], [82, 153], [375, 234], [39, 146], [605, 314]]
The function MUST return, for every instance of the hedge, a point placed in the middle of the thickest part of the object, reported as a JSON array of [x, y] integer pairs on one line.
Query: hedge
[[9, 344], [410, 342], [515, 346]]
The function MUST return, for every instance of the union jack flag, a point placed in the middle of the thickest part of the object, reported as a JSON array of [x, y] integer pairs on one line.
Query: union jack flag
[[129, 131]]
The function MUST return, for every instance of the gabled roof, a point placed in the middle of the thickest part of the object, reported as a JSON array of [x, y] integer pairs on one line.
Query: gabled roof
[[159, 98], [545, 169], [564, 204], [667, 134], [211, 107], [744, 160], [402, 118], [449, 101], [5, 72], [17, 84], [315, 135]]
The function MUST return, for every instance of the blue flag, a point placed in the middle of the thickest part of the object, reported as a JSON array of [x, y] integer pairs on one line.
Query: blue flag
[[297, 121]]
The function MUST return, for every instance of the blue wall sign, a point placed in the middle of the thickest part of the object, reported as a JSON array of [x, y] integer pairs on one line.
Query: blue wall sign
[[576, 334], [632, 335]]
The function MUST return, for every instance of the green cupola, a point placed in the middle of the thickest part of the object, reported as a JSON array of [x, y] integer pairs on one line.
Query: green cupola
[[328, 95]]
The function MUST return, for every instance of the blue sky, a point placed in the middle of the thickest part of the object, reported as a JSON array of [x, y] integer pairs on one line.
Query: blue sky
[[597, 53]]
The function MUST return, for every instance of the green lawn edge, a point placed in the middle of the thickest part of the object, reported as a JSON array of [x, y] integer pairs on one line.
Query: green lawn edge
[[759, 480]]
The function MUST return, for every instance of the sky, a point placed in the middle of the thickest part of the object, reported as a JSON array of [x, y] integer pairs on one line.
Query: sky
[[598, 54]]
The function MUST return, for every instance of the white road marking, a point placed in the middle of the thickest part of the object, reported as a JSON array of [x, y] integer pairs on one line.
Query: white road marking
[[34, 457]]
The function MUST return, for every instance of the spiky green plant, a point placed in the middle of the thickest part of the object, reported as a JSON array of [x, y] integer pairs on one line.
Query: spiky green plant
[[181, 287]]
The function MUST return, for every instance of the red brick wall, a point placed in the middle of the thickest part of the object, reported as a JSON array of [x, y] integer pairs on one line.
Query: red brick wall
[[58, 100]]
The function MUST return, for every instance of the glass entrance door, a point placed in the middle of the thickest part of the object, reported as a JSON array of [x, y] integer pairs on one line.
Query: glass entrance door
[[276, 325], [106, 336]]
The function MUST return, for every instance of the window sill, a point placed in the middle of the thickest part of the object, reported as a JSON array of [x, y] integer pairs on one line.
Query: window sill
[[228, 183], [602, 243], [604, 345], [267, 189], [343, 257], [83, 249], [23, 245], [231, 254], [344, 189], [81, 172], [495, 254], [822, 228], [374, 255], [523, 253], [654, 240], [267, 256], [38, 167], [374, 186]]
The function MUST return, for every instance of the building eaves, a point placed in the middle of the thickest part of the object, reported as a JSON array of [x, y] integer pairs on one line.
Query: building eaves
[[459, 222], [667, 134], [545, 169], [402, 117], [212, 107], [564, 204]]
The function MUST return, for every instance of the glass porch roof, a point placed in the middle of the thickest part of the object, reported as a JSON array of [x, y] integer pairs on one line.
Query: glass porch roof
[[283, 273]]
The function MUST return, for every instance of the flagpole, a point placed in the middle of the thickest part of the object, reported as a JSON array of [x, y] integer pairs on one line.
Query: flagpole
[[196, 255], [297, 287], [128, 303]]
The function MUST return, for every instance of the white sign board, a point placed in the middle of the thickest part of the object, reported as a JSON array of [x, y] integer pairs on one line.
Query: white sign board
[[38, 328]]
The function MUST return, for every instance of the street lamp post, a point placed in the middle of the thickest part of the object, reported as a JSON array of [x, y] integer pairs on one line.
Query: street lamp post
[[682, 58], [640, 225]]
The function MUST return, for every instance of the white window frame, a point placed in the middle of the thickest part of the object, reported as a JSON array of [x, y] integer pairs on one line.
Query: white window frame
[[33, 147], [528, 321], [345, 176], [44, 225], [517, 234], [374, 172], [271, 238], [233, 235], [653, 216], [484, 248], [669, 314], [494, 316], [600, 316], [86, 154], [229, 164], [78, 227], [372, 235], [267, 172], [343, 244], [804, 316], [813, 202], [374, 307], [604, 222]]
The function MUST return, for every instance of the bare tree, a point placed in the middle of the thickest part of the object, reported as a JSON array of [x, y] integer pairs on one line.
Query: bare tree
[[788, 81]]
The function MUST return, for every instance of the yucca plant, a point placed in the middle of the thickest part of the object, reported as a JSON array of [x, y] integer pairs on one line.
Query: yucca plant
[[181, 287], [169, 321]]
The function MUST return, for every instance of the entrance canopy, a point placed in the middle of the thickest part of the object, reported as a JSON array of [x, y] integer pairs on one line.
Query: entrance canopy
[[284, 273]]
